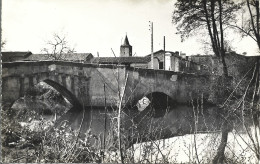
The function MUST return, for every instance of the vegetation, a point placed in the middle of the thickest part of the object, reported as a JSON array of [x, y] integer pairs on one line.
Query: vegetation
[[240, 110], [211, 16], [215, 17], [57, 47], [249, 25], [22, 144]]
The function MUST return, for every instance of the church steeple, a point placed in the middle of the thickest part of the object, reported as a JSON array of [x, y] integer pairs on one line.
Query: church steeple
[[126, 42], [125, 48]]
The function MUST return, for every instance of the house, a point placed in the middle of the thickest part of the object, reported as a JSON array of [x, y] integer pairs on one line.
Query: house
[[15, 56], [174, 61], [167, 63], [137, 62], [140, 62], [75, 57]]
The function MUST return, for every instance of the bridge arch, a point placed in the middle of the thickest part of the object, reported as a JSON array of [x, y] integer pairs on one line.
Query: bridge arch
[[64, 92], [16, 87], [159, 103]]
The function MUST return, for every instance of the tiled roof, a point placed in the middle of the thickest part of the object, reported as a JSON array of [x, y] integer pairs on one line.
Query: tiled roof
[[121, 60], [161, 51], [156, 52], [65, 57], [12, 55], [77, 56], [38, 57]]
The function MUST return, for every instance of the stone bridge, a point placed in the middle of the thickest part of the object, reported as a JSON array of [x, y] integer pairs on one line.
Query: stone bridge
[[95, 86], [84, 83]]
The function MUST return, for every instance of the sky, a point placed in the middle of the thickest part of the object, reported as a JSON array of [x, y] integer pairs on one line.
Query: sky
[[97, 26]]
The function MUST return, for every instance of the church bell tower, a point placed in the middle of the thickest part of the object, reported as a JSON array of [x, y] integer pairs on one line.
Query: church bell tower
[[126, 48]]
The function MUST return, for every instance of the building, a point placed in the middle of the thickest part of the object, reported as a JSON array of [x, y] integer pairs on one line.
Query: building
[[164, 60], [125, 58], [140, 62], [29, 56], [174, 61], [15, 56], [126, 49], [74, 57]]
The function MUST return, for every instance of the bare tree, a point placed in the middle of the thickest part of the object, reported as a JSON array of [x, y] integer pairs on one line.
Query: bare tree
[[212, 16], [57, 47], [253, 8], [121, 95], [249, 25]]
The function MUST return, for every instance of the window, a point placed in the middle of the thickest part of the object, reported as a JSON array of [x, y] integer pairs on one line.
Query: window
[[160, 65]]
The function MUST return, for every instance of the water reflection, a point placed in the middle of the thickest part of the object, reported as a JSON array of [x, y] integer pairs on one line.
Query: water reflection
[[40, 107]]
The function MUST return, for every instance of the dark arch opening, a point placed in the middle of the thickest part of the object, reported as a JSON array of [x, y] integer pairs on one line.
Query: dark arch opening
[[46, 100], [159, 104], [65, 93], [74, 113]]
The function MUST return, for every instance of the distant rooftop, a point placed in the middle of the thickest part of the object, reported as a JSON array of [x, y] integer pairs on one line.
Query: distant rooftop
[[159, 52], [15, 55], [121, 60], [65, 57]]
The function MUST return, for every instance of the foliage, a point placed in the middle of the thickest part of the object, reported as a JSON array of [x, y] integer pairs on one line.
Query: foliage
[[62, 146], [194, 15], [211, 16], [214, 16]]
